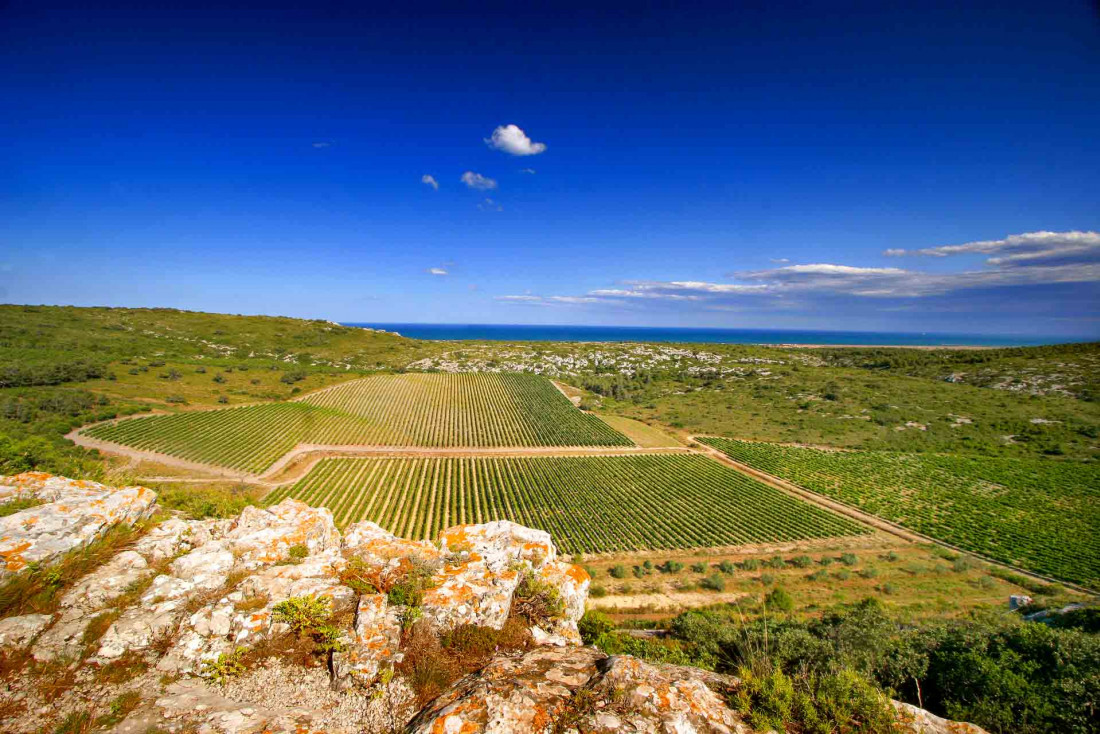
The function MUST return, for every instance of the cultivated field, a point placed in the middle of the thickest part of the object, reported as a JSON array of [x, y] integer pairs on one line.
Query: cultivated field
[[588, 504], [1041, 515], [385, 410]]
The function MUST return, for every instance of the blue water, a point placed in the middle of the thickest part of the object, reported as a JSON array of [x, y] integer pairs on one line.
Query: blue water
[[525, 333]]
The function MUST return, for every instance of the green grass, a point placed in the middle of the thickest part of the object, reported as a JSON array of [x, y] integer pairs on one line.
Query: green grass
[[588, 504], [436, 410], [1038, 514]]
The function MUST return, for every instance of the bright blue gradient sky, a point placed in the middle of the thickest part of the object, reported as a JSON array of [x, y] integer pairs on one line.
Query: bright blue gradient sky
[[705, 165]]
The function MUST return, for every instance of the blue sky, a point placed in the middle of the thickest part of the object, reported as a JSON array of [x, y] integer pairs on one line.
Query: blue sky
[[739, 165]]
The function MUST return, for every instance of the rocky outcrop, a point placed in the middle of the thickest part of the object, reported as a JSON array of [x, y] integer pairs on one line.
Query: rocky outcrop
[[72, 514], [187, 599]]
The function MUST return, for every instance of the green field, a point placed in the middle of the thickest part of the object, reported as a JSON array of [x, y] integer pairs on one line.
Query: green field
[[1037, 514], [588, 504], [432, 410]]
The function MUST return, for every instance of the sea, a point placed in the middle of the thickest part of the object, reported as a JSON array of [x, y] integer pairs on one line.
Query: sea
[[567, 333]]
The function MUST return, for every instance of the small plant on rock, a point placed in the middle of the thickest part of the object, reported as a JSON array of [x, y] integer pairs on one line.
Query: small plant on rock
[[304, 614], [225, 667], [537, 601]]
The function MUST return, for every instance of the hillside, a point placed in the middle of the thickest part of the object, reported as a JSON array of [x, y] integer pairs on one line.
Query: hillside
[[275, 621]]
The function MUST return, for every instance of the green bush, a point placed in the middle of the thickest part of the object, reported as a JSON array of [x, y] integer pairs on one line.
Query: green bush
[[593, 625], [714, 582], [779, 599], [726, 567], [699, 567], [617, 572]]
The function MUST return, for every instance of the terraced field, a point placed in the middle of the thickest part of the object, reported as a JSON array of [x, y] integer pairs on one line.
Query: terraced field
[[589, 504], [1042, 515], [430, 410]]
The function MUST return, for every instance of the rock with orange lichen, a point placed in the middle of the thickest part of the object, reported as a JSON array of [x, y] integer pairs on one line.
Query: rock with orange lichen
[[73, 514], [374, 642], [661, 698], [528, 693], [262, 536], [388, 557]]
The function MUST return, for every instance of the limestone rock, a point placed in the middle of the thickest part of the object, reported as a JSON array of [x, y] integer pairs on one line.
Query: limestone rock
[[18, 631], [920, 721], [665, 698], [75, 513], [512, 694], [90, 597]]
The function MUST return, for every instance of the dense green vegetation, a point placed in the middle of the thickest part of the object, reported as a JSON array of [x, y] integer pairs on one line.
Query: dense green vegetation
[[1037, 514], [389, 410], [992, 669], [588, 504], [63, 367]]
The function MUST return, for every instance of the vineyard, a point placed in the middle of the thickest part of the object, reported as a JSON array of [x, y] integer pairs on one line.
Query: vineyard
[[588, 504], [432, 410], [1041, 515]]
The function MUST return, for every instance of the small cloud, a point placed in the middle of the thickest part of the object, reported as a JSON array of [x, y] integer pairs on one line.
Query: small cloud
[[519, 299], [477, 181], [472, 286], [511, 139], [429, 180], [322, 144], [490, 206], [527, 170], [780, 260], [437, 271]]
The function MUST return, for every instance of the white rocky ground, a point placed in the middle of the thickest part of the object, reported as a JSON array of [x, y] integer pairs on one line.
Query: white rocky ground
[[189, 594]]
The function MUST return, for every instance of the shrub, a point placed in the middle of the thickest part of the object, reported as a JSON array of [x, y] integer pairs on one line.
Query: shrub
[[868, 573], [749, 564], [228, 665], [537, 601], [962, 564], [359, 577], [592, 625], [671, 566], [726, 567], [304, 614], [597, 591], [617, 572], [776, 562], [778, 598], [833, 702], [699, 567], [843, 574], [802, 562], [767, 579], [714, 582], [223, 399], [849, 559]]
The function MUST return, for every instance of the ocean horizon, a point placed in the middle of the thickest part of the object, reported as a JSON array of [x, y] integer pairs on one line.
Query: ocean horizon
[[568, 333]]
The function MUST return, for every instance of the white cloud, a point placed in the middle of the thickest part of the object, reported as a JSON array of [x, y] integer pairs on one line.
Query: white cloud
[[780, 260], [437, 271], [477, 181], [430, 181], [1022, 250], [574, 299], [511, 139], [527, 170], [322, 144], [489, 205]]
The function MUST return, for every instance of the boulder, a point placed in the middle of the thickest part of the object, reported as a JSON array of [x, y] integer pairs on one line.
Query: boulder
[[74, 513]]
